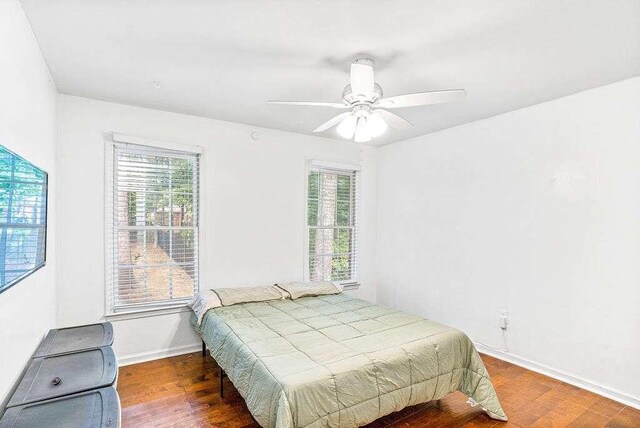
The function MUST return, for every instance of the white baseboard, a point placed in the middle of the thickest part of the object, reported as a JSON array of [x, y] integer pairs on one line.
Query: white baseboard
[[156, 355], [561, 375]]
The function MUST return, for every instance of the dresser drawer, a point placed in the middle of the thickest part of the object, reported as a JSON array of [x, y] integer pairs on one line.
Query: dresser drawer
[[90, 409], [59, 375], [73, 339]]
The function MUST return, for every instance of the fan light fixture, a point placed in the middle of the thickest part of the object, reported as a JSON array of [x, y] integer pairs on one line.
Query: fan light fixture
[[368, 117], [363, 128], [377, 126], [347, 127], [362, 131]]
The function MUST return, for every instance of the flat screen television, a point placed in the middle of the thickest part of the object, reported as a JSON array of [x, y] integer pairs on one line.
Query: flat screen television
[[23, 218]]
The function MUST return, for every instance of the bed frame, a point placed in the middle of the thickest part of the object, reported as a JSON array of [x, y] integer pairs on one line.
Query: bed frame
[[222, 373]]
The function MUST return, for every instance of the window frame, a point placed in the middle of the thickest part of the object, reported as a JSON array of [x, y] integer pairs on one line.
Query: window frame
[[354, 281], [114, 141]]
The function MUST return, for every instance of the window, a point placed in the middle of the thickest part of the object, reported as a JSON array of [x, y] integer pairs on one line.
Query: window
[[23, 218], [154, 227], [332, 223]]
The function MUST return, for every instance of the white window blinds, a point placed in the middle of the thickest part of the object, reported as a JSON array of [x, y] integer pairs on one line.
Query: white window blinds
[[332, 224], [154, 228]]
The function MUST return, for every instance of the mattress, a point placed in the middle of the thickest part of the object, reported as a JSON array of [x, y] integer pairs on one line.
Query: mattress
[[338, 361]]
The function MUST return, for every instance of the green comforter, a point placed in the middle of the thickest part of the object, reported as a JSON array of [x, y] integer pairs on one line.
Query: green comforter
[[339, 361]]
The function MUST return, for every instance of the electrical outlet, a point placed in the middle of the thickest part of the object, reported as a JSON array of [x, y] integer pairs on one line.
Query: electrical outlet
[[504, 319]]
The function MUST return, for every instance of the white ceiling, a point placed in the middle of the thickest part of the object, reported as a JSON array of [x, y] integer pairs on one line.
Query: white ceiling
[[224, 59]]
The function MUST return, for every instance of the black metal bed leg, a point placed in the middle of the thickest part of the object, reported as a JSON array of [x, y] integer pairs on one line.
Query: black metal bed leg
[[221, 383], [204, 354]]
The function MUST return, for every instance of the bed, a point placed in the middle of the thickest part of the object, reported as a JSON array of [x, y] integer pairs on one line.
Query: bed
[[338, 361]]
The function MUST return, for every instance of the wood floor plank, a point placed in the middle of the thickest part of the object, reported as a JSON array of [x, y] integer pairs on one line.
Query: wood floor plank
[[607, 407], [628, 417], [590, 419], [183, 391], [481, 421], [562, 415]]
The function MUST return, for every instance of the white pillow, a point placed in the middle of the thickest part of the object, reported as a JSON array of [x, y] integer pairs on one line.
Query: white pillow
[[306, 289]]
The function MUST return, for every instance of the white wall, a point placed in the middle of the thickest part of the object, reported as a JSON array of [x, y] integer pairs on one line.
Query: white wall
[[28, 127], [254, 210], [536, 211]]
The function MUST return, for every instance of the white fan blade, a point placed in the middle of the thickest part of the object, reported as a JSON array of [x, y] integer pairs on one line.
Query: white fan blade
[[333, 121], [361, 77], [393, 119], [309, 103], [422, 98]]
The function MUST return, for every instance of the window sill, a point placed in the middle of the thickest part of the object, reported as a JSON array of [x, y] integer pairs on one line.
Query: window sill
[[146, 313]]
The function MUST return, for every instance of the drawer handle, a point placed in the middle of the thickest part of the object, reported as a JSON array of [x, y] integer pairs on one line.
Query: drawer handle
[[56, 381]]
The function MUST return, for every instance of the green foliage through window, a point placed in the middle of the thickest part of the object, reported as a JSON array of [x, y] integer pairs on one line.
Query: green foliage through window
[[155, 226], [23, 211], [331, 208]]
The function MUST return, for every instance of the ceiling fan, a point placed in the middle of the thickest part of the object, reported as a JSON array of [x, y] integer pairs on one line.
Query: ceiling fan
[[368, 116]]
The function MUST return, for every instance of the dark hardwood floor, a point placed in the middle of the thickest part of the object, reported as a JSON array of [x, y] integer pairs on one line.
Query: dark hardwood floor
[[183, 392]]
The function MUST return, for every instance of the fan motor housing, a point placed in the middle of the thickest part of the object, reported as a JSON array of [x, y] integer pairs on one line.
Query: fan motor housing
[[352, 99]]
